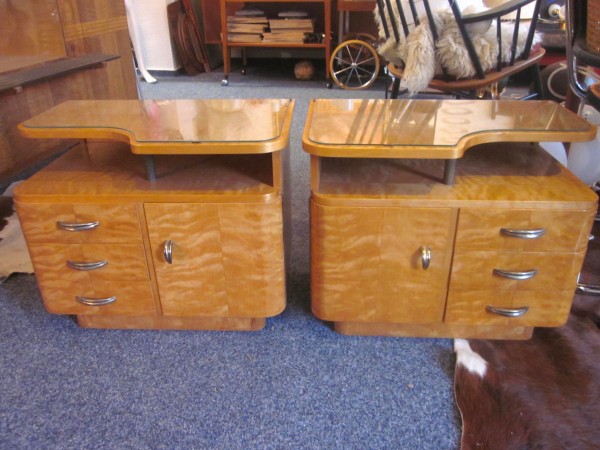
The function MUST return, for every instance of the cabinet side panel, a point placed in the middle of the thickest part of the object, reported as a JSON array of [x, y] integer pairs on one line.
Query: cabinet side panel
[[253, 258]]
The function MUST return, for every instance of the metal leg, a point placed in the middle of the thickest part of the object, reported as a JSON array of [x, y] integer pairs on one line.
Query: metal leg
[[150, 167], [449, 171]]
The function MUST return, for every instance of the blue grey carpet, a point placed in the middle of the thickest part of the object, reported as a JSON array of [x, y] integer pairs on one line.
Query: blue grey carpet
[[296, 384]]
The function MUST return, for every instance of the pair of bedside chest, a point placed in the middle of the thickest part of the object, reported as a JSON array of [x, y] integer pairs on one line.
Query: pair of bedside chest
[[175, 215]]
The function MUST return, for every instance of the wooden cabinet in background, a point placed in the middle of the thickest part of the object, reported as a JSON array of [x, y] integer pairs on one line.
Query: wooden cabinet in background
[[58, 32]]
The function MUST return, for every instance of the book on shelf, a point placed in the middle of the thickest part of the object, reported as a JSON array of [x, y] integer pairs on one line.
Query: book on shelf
[[295, 37], [247, 28], [244, 37], [249, 20], [306, 24]]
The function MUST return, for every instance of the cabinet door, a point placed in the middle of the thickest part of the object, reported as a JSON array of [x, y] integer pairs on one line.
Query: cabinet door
[[366, 263], [227, 259]]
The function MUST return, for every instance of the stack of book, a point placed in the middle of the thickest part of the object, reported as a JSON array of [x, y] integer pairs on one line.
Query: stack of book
[[292, 30], [246, 26]]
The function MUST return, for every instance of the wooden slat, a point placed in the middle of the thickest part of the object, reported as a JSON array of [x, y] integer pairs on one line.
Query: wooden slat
[[52, 70]]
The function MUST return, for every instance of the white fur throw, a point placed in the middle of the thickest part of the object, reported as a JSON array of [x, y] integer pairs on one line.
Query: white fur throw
[[423, 59]]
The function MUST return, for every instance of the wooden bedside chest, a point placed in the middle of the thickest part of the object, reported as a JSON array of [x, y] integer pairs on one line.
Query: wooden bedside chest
[[443, 218], [187, 236]]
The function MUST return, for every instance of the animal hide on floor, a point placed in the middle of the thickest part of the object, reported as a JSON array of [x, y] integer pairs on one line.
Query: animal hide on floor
[[543, 393], [13, 249]]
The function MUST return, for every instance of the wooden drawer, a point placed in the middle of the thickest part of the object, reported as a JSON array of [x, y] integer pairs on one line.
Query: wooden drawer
[[123, 262], [563, 231], [545, 308], [131, 298], [492, 271], [117, 223]]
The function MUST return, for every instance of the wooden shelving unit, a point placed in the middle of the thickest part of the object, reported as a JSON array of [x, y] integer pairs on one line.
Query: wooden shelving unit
[[227, 6]]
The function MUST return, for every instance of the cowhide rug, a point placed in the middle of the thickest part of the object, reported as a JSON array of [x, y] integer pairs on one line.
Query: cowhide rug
[[543, 393], [14, 257]]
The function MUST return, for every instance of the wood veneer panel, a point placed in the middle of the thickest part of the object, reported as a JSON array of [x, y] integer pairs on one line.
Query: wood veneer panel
[[133, 298], [221, 265], [365, 263], [506, 175], [172, 323], [565, 230], [546, 309], [125, 262], [119, 223], [474, 271]]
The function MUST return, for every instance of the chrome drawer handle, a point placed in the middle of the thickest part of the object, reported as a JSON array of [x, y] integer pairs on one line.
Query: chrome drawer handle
[[73, 226], [168, 251], [425, 257], [89, 301], [514, 275], [79, 265], [523, 234], [517, 312]]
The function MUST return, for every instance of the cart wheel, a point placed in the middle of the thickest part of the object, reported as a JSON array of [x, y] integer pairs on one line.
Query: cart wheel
[[354, 65], [359, 37], [224, 82]]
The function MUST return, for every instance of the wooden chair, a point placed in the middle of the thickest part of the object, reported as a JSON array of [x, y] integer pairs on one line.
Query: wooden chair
[[579, 52], [398, 26]]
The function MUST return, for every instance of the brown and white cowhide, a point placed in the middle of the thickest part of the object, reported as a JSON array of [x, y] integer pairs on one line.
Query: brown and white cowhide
[[14, 257], [543, 393]]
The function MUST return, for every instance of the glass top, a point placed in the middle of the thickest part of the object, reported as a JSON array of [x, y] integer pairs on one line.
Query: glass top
[[172, 121], [434, 123]]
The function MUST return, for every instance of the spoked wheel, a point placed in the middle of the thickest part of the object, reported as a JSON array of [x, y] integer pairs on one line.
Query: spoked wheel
[[354, 65]]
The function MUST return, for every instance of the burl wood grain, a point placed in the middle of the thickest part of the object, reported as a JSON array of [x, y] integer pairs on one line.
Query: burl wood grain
[[565, 231], [119, 223], [227, 259], [366, 264]]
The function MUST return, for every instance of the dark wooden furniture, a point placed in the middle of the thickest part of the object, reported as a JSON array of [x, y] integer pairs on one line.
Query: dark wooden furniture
[[325, 23], [59, 50]]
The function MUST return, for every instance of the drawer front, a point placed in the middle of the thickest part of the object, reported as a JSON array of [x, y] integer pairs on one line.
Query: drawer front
[[130, 298], [529, 271], [366, 264], [523, 230], [80, 223], [226, 260], [544, 309], [88, 263], [501, 288]]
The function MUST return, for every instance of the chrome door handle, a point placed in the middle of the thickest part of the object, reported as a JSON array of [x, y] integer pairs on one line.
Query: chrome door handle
[[90, 301], [168, 251], [507, 312], [80, 265], [425, 257], [516, 275], [74, 226], [523, 234]]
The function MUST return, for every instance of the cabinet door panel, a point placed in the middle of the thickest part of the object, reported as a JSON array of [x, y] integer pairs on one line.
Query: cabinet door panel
[[565, 231], [366, 263], [227, 258]]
